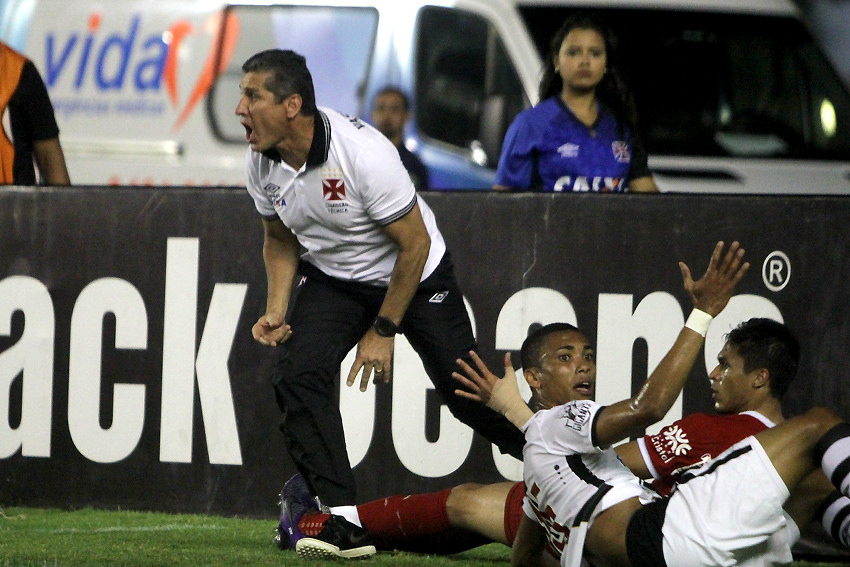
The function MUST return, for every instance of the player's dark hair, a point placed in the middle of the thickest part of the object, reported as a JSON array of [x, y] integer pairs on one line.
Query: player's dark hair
[[530, 353], [765, 343], [391, 89], [289, 75], [612, 91]]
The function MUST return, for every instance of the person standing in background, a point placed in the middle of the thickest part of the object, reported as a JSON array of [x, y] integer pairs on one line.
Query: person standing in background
[[582, 135], [390, 112], [31, 123]]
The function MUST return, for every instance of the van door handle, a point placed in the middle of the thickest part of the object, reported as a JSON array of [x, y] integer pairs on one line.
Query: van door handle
[[704, 174]]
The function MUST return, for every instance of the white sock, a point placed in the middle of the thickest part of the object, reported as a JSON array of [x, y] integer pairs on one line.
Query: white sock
[[833, 451], [347, 512], [835, 518]]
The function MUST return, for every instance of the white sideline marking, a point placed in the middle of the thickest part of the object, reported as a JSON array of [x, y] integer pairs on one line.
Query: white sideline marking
[[110, 529]]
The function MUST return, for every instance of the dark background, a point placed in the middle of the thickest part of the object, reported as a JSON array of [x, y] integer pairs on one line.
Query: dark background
[[579, 245]]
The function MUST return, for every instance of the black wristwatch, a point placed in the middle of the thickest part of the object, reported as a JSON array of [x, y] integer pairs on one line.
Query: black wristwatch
[[385, 327]]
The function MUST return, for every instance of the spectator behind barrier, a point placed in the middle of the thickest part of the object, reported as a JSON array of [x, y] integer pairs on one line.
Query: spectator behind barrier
[[582, 135], [390, 113]]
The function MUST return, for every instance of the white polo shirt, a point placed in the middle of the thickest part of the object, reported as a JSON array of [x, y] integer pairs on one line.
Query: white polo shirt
[[352, 184]]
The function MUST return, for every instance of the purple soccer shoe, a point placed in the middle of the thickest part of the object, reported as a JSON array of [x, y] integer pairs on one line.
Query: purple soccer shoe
[[295, 501]]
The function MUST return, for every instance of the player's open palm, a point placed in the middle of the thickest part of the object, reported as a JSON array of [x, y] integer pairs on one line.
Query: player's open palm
[[713, 290]]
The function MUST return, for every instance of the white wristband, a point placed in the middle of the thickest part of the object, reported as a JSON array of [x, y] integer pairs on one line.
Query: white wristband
[[699, 321]]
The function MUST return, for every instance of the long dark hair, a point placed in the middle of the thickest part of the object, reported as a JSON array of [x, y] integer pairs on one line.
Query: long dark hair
[[612, 91]]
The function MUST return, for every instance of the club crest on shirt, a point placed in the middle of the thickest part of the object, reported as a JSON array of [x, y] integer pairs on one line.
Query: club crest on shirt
[[333, 190], [621, 151]]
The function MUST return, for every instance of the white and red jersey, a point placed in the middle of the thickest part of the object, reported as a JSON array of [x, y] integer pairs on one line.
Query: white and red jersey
[[694, 440], [567, 474], [563, 466], [352, 184]]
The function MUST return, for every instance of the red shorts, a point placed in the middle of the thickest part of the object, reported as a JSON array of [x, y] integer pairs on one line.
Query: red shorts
[[513, 510], [514, 514]]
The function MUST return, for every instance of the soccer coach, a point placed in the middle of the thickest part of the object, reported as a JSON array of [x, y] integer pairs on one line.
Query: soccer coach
[[374, 265]]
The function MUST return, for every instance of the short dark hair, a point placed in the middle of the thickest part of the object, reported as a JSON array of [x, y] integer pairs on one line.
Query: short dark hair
[[391, 89], [530, 353], [765, 343], [289, 75]]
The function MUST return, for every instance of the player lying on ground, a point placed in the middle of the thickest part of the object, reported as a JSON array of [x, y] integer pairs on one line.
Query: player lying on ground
[[475, 506], [726, 512], [718, 282], [755, 368]]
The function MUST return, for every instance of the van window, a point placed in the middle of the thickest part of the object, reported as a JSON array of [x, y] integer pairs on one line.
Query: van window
[[337, 43], [467, 91], [710, 84]]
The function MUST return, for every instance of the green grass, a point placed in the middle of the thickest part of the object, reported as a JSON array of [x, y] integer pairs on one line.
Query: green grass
[[55, 538]]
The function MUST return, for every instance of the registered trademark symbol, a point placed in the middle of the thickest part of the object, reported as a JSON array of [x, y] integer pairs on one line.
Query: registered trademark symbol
[[776, 270]]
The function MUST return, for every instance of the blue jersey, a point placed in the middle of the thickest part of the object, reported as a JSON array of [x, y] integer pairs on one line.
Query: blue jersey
[[547, 144]]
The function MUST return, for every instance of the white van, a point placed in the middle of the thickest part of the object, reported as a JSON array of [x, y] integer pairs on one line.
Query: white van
[[733, 95]]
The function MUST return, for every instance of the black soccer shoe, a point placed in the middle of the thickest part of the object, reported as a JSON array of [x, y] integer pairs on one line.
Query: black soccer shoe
[[338, 538]]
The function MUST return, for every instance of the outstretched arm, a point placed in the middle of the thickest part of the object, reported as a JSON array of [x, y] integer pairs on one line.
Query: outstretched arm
[[709, 294]]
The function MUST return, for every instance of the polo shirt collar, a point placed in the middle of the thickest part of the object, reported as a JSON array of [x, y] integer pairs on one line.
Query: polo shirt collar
[[321, 144]]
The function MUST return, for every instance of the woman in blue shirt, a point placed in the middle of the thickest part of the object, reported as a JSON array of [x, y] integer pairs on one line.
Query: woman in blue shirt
[[582, 135]]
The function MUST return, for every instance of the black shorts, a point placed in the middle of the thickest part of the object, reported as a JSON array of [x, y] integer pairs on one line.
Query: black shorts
[[643, 535]]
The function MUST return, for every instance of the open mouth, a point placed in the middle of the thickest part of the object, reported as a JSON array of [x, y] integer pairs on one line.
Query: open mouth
[[248, 132], [584, 388]]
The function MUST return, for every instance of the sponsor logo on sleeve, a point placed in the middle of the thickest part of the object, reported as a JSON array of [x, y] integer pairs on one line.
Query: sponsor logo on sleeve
[[672, 442], [272, 191], [576, 414]]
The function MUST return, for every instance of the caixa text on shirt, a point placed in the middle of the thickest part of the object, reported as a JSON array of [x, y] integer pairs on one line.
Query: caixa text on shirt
[[580, 184]]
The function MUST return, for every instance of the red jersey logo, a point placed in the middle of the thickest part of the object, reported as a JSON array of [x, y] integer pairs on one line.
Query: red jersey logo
[[334, 189]]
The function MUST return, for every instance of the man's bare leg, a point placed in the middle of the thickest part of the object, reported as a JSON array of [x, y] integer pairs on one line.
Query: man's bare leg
[[480, 508], [791, 444]]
